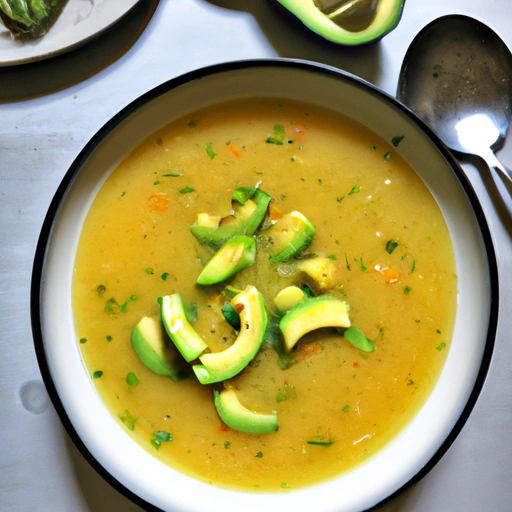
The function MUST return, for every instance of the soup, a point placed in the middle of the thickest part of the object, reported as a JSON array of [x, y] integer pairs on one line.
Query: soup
[[380, 247]]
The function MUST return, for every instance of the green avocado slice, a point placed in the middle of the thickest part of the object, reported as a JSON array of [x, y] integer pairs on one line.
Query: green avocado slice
[[183, 335], [156, 351], [238, 417], [236, 254], [219, 366], [289, 235], [349, 23], [310, 314], [246, 219]]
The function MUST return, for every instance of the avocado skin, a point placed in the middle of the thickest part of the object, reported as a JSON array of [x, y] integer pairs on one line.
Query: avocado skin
[[237, 417], [326, 29], [157, 353]]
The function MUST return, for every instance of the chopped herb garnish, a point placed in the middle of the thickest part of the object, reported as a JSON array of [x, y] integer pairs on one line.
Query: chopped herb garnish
[[347, 264], [164, 276], [192, 123], [362, 266], [441, 346], [123, 193], [97, 374], [287, 393], [159, 141], [128, 420], [407, 289], [160, 437], [391, 245], [227, 444], [438, 331], [284, 485], [109, 338], [191, 312], [243, 194], [83, 340], [320, 443], [292, 159], [209, 151], [109, 306], [413, 266], [388, 156], [149, 270], [278, 137], [356, 337], [123, 307], [156, 182], [373, 146], [100, 290], [319, 181], [354, 190], [396, 140], [131, 379], [332, 257], [259, 455], [410, 382], [283, 196], [187, 190], [346, 408], [133, 298], [171, 175], [339, 199]]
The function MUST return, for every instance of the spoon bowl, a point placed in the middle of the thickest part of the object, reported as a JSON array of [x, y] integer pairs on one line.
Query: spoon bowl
[[457, 76]]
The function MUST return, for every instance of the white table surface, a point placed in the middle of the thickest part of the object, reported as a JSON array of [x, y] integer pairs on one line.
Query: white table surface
[[71, 97]]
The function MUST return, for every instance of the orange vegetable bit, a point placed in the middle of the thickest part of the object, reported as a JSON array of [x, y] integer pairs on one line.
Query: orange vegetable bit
[[392, 276], [274, 213], [308, 351], [233, 151], [159, 202], [297, 132]]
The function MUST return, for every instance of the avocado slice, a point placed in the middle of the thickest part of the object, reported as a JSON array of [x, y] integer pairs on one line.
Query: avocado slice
[[155, 349], [320, 269], [238, 417], [292, 233], [310, 314], [288, 297], [248, 214], [236, 254], [218, 366], [178, 328], [349, 23]]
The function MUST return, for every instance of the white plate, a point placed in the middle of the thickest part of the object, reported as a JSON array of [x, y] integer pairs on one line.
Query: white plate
[[79, 21], [130, 468]]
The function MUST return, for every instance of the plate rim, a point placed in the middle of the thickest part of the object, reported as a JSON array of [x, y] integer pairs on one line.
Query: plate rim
[[167, 86]]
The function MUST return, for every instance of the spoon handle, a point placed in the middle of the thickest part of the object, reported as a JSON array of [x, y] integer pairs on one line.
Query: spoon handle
[[492, 161]]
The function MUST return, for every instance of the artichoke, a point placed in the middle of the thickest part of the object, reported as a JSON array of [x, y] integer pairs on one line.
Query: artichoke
[[29, 19]]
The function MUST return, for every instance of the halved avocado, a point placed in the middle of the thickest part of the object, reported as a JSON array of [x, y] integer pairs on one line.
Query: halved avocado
[[156, 351], [248, 214], [345, 22], [183, 335], [236, 254], [310, 314], [292, 233], [238, 417], [218, 366]]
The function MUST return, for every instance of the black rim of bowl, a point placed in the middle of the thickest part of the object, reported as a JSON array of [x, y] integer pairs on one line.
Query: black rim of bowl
[[52, 214]]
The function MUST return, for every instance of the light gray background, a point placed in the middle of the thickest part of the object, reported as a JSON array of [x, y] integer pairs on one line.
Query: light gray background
[[71, 97]]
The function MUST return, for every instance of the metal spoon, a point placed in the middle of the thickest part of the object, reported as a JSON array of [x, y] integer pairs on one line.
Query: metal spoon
[[457, 76]]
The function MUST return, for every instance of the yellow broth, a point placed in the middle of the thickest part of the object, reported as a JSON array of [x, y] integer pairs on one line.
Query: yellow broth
[[337, 406]]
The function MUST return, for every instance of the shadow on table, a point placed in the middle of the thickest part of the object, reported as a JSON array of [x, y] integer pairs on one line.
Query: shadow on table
[[291, 39], [99, 495], [30, 80]]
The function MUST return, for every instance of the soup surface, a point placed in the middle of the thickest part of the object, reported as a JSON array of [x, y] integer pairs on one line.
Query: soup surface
[[390, 259]]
